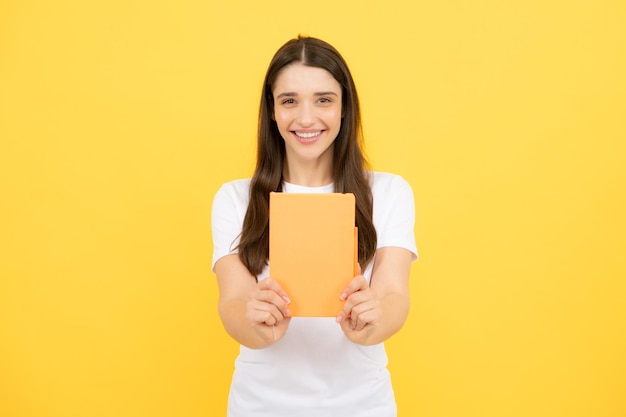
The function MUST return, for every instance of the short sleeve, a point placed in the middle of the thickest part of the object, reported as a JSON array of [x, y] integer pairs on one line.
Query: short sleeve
[[227, 214], [394, 213]]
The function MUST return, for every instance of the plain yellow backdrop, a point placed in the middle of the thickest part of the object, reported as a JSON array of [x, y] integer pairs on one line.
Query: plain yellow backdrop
[[120, 119]]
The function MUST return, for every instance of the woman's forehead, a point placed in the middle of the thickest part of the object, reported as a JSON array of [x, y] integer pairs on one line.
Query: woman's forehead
[[299, 78]]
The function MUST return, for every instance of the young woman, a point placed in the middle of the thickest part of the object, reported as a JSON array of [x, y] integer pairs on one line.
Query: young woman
[[309, 141]]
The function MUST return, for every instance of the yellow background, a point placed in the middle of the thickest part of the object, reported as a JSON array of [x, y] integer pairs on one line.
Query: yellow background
[[120, 119]]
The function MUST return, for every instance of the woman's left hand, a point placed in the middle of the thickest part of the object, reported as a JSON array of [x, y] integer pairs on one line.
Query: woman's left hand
[[362, 308]]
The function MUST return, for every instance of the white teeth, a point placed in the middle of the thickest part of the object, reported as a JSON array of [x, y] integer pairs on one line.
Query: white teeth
[[307, 135]]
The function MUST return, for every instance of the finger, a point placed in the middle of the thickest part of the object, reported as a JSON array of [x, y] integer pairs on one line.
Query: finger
[[357, 303], [273, 285], [354, 300], [270, 319], [260, 317], [271, 297], [364, 314], [357, 283], [263, 313]]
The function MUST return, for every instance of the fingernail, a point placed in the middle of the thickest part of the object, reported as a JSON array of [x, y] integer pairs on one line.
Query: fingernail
[[343, 296], [287, 313], [339, 318], [287, 300]]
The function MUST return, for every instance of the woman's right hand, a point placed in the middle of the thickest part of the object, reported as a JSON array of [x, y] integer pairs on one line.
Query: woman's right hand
[[255, 314], [268, 307]]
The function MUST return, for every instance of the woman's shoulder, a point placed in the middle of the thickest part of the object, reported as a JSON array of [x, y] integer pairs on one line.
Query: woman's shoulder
[[238, 184], [236, 189]]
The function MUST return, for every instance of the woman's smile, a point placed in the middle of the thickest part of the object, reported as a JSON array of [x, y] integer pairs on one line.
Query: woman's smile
[[308, 138], [308, 135]]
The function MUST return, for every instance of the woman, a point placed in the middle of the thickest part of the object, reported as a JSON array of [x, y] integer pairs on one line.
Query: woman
[[309, 141]]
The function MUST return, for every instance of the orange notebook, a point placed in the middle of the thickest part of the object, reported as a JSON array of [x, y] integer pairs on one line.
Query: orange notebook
[[313, 249]]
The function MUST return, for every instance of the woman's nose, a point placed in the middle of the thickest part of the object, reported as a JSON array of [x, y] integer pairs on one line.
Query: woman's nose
[[306, 115]]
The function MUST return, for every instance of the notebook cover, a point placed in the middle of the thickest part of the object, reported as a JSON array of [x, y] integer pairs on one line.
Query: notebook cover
[[313, 249]]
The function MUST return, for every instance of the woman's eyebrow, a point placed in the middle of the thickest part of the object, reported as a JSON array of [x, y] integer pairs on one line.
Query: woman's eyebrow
[[321, 93], [288, 94]]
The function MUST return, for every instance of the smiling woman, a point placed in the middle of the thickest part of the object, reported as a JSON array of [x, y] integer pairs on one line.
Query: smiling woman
[[309, 141], [308, 115]]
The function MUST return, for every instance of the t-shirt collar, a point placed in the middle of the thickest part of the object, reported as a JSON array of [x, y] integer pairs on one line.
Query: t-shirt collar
[[295, 188]]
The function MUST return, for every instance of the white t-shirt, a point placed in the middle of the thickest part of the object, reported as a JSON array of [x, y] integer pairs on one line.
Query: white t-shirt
[[314, 370]]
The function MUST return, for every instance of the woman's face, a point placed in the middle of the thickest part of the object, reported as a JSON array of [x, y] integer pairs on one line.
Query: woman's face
[[307, 110]]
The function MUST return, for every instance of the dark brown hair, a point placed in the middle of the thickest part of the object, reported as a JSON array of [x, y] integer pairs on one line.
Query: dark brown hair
[[349, 164]]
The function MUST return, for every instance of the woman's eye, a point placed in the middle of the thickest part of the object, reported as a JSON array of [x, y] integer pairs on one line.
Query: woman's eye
[[288, 101], [325, 100]]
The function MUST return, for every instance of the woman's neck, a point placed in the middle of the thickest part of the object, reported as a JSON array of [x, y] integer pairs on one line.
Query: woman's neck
[[307, 175]]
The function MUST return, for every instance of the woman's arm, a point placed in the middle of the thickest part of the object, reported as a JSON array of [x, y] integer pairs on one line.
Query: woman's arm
[[254, 314], [372, 313]]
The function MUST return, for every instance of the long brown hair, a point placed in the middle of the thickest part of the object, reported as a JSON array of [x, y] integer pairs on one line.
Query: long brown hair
[[350, 173]]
